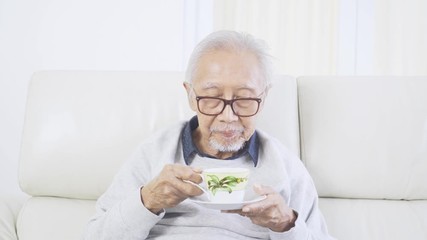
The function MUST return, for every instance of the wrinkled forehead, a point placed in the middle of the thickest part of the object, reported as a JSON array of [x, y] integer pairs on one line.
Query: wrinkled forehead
[[251, 85]]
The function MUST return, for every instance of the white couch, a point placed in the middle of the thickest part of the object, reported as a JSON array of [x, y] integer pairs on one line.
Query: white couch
[[363, 139]]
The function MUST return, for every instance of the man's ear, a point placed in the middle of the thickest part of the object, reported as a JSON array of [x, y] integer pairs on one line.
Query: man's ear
[[187, 87], [191, 100], [267, 89]]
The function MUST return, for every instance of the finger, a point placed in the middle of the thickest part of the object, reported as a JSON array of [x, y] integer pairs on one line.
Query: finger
[[258, 207], [255, 208], [172, 175], [187, 188], [197, 169], [263, 190], [196, 178], [238, 211], [187, 173], [195, 185]]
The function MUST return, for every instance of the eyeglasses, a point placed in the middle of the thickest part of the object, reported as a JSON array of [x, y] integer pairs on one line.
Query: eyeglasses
[[242, 107]]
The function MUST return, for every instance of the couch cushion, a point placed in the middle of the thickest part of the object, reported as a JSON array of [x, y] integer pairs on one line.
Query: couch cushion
[[9, 209], [279, 117], [356, 219], [47, 218], [81, 126], [365, 137]]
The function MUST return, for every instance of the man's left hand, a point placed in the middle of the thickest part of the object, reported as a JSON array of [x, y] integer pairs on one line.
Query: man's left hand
[[271, 212]]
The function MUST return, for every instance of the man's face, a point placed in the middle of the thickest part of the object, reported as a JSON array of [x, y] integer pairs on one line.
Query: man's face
[[226, 75]]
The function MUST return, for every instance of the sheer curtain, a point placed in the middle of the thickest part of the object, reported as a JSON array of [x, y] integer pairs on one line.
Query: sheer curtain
[[302, 34], [400, 37], [347, 37]]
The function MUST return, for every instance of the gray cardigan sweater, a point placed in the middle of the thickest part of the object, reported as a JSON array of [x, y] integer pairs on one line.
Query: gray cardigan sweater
[[121, 215]]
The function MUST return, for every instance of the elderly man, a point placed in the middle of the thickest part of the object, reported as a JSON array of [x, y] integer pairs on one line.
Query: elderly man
[[228, 78]]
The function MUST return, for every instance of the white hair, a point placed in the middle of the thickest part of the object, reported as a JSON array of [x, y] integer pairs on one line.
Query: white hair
[[234, 42]]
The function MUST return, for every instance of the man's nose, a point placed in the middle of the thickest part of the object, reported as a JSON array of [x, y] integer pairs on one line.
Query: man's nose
[[228, 115]]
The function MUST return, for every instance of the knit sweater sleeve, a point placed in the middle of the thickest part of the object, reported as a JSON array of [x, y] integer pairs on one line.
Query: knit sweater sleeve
[[301, 196], [310, 224], [120, 212]]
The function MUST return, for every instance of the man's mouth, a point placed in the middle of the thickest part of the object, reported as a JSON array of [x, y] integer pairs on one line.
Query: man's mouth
[[227, 138], [230, 134]]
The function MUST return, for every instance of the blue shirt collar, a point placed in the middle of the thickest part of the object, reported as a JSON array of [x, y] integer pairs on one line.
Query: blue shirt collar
[[189, 149]]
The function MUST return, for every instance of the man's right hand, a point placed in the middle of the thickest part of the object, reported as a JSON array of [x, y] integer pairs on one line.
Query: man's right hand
[[168, 189]]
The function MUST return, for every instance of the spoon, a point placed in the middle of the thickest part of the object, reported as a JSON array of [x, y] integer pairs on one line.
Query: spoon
[[205, 193]]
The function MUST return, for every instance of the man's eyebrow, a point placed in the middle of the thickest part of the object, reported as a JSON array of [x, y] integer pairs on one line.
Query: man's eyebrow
[[210, 85], [247, 87], [213, 85]]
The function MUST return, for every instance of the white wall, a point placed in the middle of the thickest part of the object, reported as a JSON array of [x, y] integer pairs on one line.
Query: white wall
[[86, 34], [159, 35]]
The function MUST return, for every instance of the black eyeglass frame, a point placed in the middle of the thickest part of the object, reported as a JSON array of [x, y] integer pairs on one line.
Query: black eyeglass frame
[[228, 102]]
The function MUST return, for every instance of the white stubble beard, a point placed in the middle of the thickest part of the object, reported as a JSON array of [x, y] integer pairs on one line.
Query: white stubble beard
[[229, 147]]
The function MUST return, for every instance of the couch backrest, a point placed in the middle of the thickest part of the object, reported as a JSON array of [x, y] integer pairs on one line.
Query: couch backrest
[[80, 126], [364, 141]]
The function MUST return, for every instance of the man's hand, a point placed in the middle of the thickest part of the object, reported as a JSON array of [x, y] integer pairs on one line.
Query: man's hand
[[272, 212], [168, 189]]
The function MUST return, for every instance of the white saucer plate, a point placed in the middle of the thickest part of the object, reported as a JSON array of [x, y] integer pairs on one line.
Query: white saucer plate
[[226, 206]]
